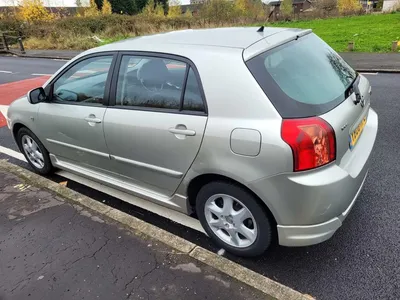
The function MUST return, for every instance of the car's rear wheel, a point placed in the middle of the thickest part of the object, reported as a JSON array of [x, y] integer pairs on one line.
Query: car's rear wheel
[[234, 219], [34, 151]]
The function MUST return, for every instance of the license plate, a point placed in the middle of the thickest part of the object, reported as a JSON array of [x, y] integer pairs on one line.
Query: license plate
[[355, 135]]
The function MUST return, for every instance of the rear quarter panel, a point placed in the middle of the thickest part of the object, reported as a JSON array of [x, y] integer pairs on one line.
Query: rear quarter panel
[[235, 100]]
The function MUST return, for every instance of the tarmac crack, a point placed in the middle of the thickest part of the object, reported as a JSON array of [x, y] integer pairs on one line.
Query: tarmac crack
[[88, 256], [156, 266]]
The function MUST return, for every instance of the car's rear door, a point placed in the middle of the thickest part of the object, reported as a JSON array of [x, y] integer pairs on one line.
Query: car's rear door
[[155, 123]]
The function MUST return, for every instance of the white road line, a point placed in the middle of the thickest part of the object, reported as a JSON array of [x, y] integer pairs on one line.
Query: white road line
[[3, 110], [372, 74], [38, 74], [12, 153], [7, 72], [147, 205]]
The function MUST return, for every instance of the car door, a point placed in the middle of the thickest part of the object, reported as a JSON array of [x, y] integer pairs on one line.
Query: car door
[[156, 120], [71, 122]]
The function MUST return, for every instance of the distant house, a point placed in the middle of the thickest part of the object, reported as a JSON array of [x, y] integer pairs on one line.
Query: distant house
[[389, 5], [46, 3], [298, 6]]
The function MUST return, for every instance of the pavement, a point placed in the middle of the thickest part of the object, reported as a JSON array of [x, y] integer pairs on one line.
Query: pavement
[[55, 54], [361, 61], [373, 62], [52, 249], [361, 261]]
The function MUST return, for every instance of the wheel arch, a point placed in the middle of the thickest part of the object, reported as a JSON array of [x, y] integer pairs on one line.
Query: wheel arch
[[198, 182], [16, 127]]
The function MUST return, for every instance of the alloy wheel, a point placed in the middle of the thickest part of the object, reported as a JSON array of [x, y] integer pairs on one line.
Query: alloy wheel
[[230, 220]]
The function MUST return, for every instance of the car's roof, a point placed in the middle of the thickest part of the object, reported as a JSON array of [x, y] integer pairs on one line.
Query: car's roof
[[234, 37]]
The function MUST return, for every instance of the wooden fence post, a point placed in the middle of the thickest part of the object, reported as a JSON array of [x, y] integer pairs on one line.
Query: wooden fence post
[[5, 41], [394, 46], [350, 46], [21, 46]]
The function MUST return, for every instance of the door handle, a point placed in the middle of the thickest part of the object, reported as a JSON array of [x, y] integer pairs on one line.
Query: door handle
[[187, 132], [92, 119]]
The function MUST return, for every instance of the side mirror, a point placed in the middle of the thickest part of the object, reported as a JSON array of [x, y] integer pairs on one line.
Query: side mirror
[[37, 95]]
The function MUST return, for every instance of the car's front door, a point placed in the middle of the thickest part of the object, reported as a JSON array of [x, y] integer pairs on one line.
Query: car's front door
[[155, 127], [71, 122]]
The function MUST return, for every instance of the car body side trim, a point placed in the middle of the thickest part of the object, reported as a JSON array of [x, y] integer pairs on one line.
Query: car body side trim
[[176, 202], [102, 154], [139, 164]]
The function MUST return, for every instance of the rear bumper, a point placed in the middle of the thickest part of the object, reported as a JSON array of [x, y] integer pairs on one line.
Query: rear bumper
[[295, 236], [310, 206]]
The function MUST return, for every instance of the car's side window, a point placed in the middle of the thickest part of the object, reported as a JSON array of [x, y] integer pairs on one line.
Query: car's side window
[[84, 83], [150, 82], [193, 99]]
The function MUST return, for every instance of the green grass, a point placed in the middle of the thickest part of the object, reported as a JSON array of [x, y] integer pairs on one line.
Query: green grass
[[371, 33]]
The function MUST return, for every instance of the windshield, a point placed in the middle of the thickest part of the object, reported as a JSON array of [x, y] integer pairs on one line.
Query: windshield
[[303, 78]]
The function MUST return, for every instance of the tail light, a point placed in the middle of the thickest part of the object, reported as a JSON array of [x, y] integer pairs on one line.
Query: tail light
[[312, 141]]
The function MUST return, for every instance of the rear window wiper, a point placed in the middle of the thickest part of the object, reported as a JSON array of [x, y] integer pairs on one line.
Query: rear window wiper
[[354, 88]]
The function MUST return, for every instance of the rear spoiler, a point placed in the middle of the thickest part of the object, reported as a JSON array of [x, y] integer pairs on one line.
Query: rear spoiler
[[272, 41]]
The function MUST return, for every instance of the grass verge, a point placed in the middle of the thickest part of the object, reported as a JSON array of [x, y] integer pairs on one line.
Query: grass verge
[[371, 33]]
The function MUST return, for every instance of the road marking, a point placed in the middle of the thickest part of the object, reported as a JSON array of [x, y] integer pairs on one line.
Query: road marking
[[7, 72], [4, 109], [14, 90], [367, 73], [59, 59], [12, 153], [39, 74], [3, 115], [162, 211]]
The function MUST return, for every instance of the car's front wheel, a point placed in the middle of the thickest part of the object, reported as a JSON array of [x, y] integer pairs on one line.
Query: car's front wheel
[[34, 151], [234, 219]]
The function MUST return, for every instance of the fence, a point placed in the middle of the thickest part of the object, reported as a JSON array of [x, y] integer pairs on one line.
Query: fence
[[11, 41]]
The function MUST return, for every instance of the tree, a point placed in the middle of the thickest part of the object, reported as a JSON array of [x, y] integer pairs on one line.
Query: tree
[[243, 6], [140, 4], [250, 9], [92, 10], [148, 10], [124, 7], [106, 8], [218, 11], [379, 5], [174, 9], [348, 6], [32, 11], [287, 8], [159, 10], [188, 13], [326, 5]]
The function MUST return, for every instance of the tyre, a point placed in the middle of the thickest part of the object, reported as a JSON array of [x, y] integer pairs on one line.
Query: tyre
[[234, 219], [34, 151]]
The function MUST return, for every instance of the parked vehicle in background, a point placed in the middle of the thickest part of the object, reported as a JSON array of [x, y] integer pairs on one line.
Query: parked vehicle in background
[[260, 133]]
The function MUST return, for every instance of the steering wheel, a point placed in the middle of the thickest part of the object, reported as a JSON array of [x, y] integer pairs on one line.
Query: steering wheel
[[66, 95], [154, 89]]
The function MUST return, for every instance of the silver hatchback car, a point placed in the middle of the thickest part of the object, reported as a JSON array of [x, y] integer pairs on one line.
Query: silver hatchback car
[[261, 133]]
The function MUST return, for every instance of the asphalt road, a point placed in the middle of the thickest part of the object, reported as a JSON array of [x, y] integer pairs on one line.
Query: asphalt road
[[16, 68], [362, 260]]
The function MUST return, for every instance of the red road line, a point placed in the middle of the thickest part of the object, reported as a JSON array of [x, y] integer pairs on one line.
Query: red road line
[[13, 90], [3, 121]]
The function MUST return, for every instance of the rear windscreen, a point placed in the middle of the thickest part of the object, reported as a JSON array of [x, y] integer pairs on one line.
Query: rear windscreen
[[303, 78]]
